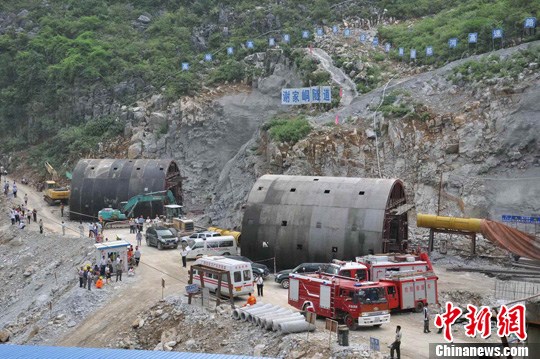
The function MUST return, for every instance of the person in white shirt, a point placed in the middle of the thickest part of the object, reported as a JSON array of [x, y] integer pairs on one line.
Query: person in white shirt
[[260, 285], [396, 344]]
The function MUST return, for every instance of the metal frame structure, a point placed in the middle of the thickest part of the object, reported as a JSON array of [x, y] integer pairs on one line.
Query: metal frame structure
[[219, 272], [316, 219], [101, 183]]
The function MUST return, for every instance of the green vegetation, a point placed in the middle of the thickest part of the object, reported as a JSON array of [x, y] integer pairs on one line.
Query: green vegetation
[[457, 20], [72, 54], [73, 142], [493, 66], [288, 130]]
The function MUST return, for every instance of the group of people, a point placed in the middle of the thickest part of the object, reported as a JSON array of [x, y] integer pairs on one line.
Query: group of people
[[22, 216], [14, 188], [134, 256], [138, 224], [101, 273]]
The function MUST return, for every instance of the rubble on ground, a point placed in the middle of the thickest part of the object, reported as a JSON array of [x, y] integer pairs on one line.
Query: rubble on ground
[[173, 325], [40, 298]]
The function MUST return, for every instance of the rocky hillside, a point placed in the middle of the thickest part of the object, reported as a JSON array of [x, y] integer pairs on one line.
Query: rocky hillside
[[475, 134]]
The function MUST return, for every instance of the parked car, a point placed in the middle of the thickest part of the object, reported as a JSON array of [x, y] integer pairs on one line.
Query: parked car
[[282, 277], [258, 268], [205, 234], [161, 237]]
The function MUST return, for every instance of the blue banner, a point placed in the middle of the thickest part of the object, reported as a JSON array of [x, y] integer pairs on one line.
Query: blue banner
[[347, 32], [335, 29], [305, 34], [249, 44], [497, 33], [271, 42], [530, 23], [387, 47], [185, 66], [208, 57], [413, 54], [286, 38], [473, 37], [320, 32], [230, 50], [306, 95], [363, 37], [429, 51], [452, 43], [375, 41], [520, 219], [401, 51]]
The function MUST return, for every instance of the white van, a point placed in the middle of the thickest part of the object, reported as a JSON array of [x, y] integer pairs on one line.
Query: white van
[[240, 272], [213, 246]]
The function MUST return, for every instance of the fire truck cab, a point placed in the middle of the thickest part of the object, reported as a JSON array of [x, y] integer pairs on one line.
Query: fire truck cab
[[340, 298], [353, 270]]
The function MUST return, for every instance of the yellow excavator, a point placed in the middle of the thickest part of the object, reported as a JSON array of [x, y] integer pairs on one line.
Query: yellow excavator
[[55, 194]]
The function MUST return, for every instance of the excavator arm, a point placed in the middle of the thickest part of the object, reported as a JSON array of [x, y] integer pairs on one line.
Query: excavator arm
[[164, 196], [51, 171]]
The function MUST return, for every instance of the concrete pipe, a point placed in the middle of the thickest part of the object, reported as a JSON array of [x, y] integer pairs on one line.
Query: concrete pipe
[[252, 316], [255, 319], [292, 318], [269, 322], [245, 312], [262, 319], [295, 327], [236, 312]]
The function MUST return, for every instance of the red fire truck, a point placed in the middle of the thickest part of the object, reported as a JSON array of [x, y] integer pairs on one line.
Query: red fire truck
[[382, 266], [340, 298], [408, 280]]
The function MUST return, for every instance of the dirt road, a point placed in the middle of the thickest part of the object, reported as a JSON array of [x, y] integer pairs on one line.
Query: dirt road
[[97, 330], [118, 314]]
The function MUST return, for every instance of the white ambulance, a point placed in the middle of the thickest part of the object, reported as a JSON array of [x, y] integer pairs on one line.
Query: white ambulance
[[241, 275]]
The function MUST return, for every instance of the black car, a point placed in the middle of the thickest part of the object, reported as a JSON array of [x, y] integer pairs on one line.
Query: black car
[[282, 277], [258, 268], [161, 237]]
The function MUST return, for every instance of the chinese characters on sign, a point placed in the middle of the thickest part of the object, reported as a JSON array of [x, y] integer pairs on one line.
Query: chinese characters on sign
[[473, 37], [306, 95], [413, 54], [520, 219], [510, 320], [401, 51], [429, 51], [452, 43]]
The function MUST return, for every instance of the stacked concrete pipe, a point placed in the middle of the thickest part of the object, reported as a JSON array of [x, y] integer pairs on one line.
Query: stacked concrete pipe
[[296, 326], [291, 318], [256, 314], [261, 320], [237, 313], [245, 315]]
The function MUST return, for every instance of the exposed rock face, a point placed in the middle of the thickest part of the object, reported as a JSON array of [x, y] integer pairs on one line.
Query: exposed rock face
[[203, 134], [480, 141]]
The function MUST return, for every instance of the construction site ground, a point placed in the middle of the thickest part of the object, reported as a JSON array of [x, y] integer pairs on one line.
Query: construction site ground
[[116, 312]]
